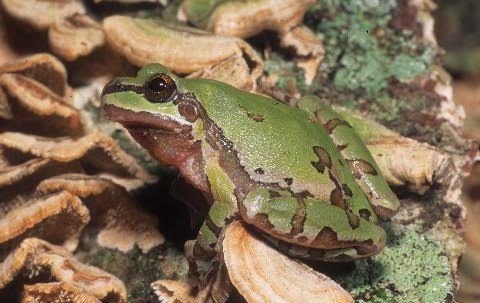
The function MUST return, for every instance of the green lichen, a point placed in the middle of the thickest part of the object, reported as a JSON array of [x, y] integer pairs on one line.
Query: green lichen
[[412, 268], [363, 53]]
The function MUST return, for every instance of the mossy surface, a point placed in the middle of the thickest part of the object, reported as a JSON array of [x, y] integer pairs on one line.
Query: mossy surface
[[136, 269], [363, 52], [412, 268]]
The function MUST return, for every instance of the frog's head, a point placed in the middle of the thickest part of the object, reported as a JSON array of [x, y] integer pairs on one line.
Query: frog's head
[[157, 114], [148, 101]]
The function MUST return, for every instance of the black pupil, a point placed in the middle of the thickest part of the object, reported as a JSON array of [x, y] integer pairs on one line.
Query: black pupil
[[160, 88], [157, 84]]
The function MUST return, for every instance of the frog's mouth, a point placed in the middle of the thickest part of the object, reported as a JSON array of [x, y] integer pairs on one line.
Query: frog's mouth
[[141, 120]]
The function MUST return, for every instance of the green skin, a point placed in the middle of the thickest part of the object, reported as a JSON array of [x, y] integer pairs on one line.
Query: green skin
[[300, 176]]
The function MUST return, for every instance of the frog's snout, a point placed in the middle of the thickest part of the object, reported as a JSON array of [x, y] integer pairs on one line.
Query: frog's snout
[[111, 87]]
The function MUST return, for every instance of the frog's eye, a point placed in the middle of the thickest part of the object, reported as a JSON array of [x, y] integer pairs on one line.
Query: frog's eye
[[160, 88]]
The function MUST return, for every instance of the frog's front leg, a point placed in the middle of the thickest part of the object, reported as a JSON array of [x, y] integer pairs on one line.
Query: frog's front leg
[[201, 252], [311, 224], [353, 149]]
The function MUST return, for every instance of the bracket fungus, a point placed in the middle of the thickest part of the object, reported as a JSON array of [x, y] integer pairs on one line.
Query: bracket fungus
[[122, 223], [42, 14], [247, 18], [60, 292], [34, 89], [251, 264], [35, 260], [41, 218], [36, 181], [144, 41], [307, 47], [75, 36], [43, 68], [393, 152], [71, 32], [95, 152], [171, 291], [29, 103]]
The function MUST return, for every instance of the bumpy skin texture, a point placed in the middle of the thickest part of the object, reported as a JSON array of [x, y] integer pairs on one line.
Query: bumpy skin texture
[[261, 161]]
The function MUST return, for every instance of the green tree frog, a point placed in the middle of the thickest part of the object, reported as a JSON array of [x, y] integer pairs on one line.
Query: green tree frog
[[301, 177]]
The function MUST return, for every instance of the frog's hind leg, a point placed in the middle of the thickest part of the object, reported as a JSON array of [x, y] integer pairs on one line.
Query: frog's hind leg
[[311, 223], [201, 252], [353, 149]]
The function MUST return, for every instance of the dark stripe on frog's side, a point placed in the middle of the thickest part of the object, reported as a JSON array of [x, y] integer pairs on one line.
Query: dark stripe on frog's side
[[228, 155]]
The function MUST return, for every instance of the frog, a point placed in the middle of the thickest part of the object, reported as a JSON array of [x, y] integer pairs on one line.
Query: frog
[[300, 177]]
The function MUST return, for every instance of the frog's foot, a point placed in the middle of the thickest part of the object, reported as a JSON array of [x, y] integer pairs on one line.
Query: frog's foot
[[203, 253], [202, 265], [312, 224], [208, 273]]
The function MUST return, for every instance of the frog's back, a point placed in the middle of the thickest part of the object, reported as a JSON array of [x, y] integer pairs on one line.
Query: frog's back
[[275, 143]]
